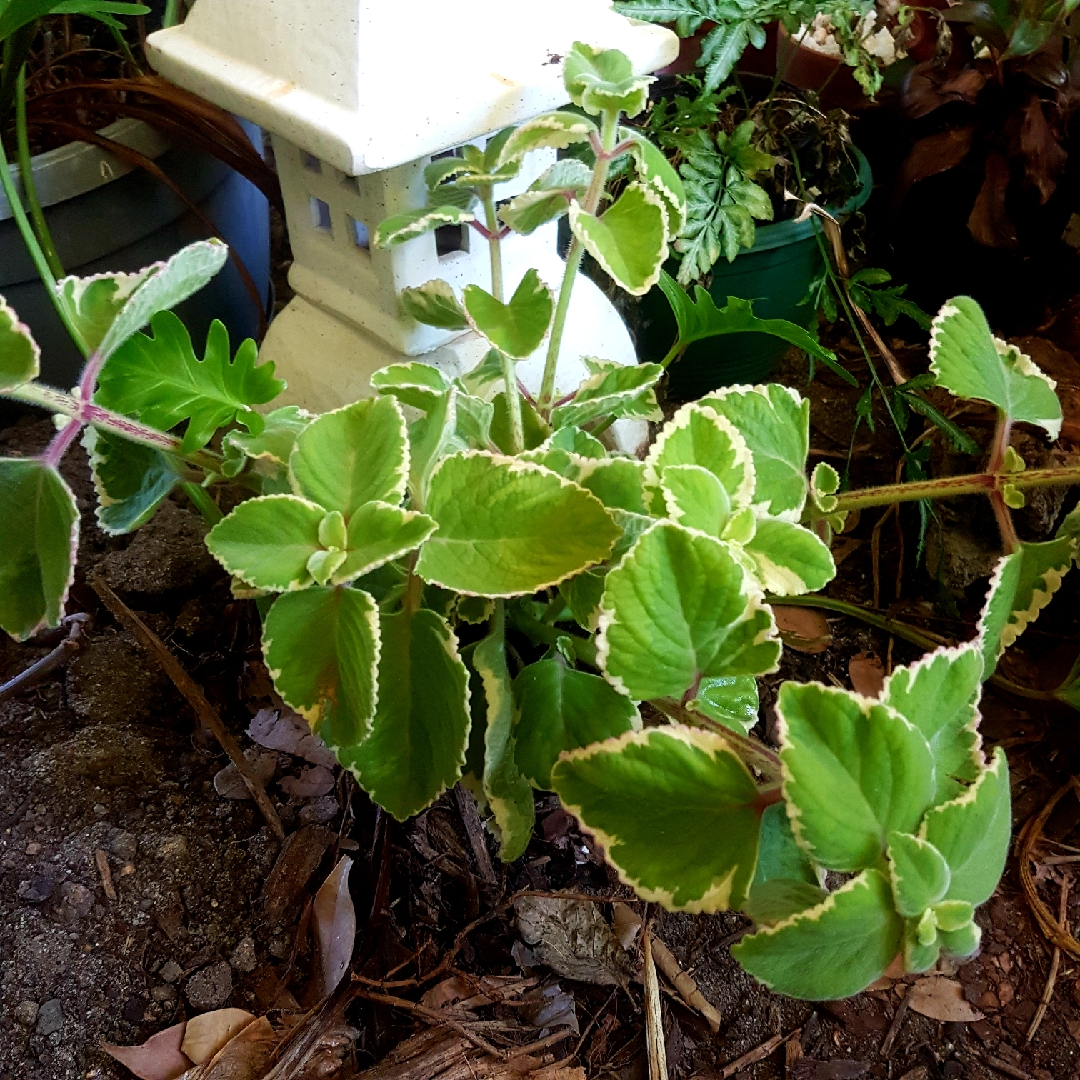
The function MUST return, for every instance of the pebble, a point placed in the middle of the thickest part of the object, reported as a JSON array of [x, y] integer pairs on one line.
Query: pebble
[[37, 890], [75, 901], [211, 987], [243, 956], [50, 1017], [320, 810], [171, 971], [164, 993], [26, 1013], [124, 846], [33, 849]]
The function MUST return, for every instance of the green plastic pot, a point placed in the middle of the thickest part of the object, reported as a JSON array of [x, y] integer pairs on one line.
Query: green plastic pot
[[775, 274]]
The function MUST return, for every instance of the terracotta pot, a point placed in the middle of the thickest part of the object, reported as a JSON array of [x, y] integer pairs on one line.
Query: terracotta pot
[[809, 69]]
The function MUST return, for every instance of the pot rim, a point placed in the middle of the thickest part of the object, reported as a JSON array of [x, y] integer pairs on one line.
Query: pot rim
[[78, 167]]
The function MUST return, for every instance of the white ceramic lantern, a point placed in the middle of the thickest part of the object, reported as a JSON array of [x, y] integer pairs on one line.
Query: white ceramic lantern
[[360, 95]]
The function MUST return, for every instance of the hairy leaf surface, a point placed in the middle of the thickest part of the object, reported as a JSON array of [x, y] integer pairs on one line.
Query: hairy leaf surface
[[20, 357]]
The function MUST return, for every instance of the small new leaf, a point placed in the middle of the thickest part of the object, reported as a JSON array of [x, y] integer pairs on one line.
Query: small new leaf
[[603, 81], [434, 304], [516, 328]]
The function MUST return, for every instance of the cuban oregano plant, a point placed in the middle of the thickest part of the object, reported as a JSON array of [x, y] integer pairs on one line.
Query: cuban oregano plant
[[461, 582]]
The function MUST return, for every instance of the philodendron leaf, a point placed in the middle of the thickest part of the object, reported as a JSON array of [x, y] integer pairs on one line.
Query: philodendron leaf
[[972, 832], [39, 535], [611, 390], [20, 357], [508, 794], [413, 223], [516, 328], [555, 130], [603, 80], [1022, 584], [637, 795], [774, 421], [415, 383], [790, 560], [416, 749], [970, 362], [560, 708], [698, 435], [322, 650], [854, 772], [833, 950], [629, 240], [131, 480], [939, 694], [656, 172], [919, 874], [700, 318], [160, 381], [353, 456], [434, 304], [509, 528], [679, 609], [548, 198], [731, 700]]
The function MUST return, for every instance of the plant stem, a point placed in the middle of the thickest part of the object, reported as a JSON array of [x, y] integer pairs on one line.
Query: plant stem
[[540, 632], [871, 618], [26, 171], [609, 133], [86, 412], [172, 13], [1002, 432], [202, 502], [36, 253]]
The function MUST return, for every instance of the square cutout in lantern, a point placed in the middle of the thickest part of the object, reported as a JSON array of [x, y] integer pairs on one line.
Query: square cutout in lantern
[[320, 216]]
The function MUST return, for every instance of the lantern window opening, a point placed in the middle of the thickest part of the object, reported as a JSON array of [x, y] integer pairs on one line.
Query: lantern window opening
[[358, 233], [450, 239], [320, 216], [311, 162]]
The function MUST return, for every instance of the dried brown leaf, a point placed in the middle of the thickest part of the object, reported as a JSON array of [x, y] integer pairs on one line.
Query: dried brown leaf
[[804, 629], [867, 675], [572, 938], [1044, 156], [229, 784], [335, 925], [941, 999], [930, 156], [310, 784], [245, 1056], [626, 923], [989, 221], [159, 1058], [208, 1032], [289, 732]]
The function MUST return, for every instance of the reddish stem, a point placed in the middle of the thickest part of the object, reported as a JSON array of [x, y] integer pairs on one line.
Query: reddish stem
[[61, 441]]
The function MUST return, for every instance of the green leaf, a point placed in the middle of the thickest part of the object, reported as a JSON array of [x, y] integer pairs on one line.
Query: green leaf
[[414, 383], [629, 240], [603, 81], [777, 899], [378, 533], [92, 303], [774, 421], [939, 694], [656, 172], [700, 318], [416, 749], [160, 381], [833, 950], [131, 480], [678, 609], [676, 811], [918, 873], [516, 328], [322, 650], [854, 772], [268, 541], [271, 449], [962, 942], [475, 610], [790, 560], [971, 363], [695, 498], [507, 792], [431, 439], [413, 223], [434, 304], [486, 374], [39, 536], [1022, 584], [698, 435], [509, 528], [973, 832], [548, 197], [560, 709], [535, 429], [20, 357], [580, 443], [785, 881], [475, 418], [731, 700], [354, 455], [612, 390], [617, 482], [555, 130]]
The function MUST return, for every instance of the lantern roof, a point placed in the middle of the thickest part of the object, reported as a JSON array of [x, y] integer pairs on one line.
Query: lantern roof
[[366, 85]]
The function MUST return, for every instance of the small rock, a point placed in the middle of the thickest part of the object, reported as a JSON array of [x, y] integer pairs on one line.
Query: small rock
[[321, 810], [26, 1013], [164, 993], [243, 956], [171, 971], [33, 849], [37, 890], [211, 987], [50, 1017], [75, 902], [100, 810], [228, 782], [124, 846], [280, 947]]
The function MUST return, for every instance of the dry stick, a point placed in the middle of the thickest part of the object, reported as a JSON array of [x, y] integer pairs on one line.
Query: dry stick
[[193, 694], [894, 1027], [759, 1053], [688, 989], [102, 861], [654, 1024], [1055, 962], [475, 828], [47, 664]]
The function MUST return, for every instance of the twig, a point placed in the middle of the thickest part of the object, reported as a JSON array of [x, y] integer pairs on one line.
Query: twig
[[1002, 1066], [47, 664], [102, 861], [759, 1053], [592, 1023], [475, 828], [687, 987], [654, 1024], [1055, 962], [894, 1027], [193, 694]]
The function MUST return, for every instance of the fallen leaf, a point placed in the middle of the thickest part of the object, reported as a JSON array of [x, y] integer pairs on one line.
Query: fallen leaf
[[229, 784], [446, 993], [335, 925], [1044, 158], [804, 629], [289, 732], [245, 1056], [550, 1007], [159, 1058], [208, 1032], [310, 784], [930, 156], [989, 222], [941, 999], [867, 675], [626, 923], [572, 938]]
